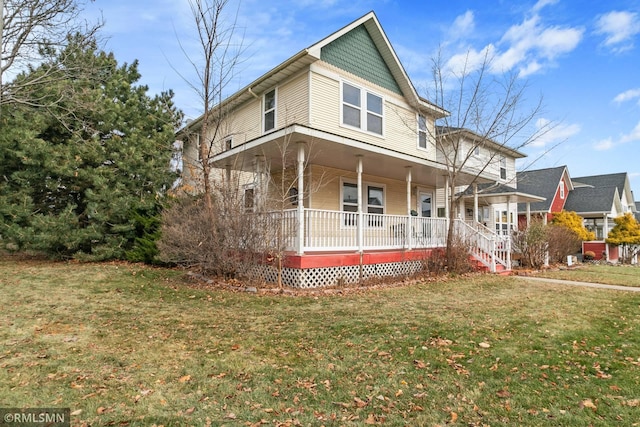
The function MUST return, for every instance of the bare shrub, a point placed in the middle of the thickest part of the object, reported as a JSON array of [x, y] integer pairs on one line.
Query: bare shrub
[[224, 241], [531, 243], [459, 258], [562, 242]]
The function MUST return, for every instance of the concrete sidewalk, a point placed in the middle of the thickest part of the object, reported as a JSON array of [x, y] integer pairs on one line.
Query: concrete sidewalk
[[574, 283]]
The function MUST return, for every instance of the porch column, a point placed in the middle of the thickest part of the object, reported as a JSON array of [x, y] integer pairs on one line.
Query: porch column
[[360, 213], [408, 190], [446, 197], [300, 213], [409, 231], [227, 169], [528, 214], [475, 203], [605, 234], [259, 171], [508, 237]]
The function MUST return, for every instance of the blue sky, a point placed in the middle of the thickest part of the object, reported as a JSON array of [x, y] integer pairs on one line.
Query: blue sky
[[582, 57]]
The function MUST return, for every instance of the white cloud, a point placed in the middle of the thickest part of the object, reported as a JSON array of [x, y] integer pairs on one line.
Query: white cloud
[[469, 61], [627, 96], [464, 24], [528, 47], [604, 145], [619, 29], [552, 134], [634, 135], [542, 3], [609, 143], [533, 45]]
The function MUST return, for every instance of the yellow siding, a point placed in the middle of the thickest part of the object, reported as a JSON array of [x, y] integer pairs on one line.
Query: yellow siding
[[326, 185], [293, 101], [400, 121]]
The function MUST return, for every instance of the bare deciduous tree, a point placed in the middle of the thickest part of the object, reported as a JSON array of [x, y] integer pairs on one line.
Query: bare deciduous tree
[[220, 53], [493, 107], [31, 31]]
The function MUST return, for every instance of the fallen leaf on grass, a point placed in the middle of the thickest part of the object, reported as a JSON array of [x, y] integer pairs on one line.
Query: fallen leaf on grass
[[230, 416], [588, 403], [503, 393], [454, 417], [359, 402], [184, 378], [420, 364], [484, 345]]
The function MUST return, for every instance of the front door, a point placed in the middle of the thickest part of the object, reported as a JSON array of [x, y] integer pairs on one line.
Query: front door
[[425, 205]]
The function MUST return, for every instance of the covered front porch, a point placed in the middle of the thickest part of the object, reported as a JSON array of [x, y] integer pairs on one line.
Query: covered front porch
[[339, 198]]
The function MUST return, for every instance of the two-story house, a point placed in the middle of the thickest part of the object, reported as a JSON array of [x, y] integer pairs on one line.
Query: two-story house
[[345, 131]]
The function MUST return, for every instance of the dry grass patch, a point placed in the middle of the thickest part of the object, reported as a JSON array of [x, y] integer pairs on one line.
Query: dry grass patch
[[621, 275], [129, 345]]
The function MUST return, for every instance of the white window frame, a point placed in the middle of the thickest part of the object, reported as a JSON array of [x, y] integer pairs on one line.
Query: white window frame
[[362, 108], [562, 190], [365, 200], [422, 131], [503, 167], [273, 110]]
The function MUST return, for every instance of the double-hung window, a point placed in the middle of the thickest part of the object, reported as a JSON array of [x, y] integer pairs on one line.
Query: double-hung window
[[362, 109], [374, 203], [503, 167], [422, 131], [269, 111]]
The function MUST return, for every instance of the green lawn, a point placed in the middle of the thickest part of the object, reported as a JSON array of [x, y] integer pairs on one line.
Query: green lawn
[[622, 275], [130, 345]]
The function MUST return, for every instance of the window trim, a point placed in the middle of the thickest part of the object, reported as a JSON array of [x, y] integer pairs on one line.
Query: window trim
[[422, 131], [273, 110], [363, 109], [503, 161], [562, 190], [365, 203]]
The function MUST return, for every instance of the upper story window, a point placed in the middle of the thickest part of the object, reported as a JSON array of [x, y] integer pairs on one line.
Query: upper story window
[[562, 190], [422, 131], [476, 150], [362, 109], [503, 167], [269, 111]]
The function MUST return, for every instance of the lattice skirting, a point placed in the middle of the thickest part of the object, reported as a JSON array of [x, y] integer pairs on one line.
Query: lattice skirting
[[331, 276]]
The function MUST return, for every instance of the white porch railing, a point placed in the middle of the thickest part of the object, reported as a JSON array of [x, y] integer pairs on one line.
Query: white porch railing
[[334, 230], [339, 231], [487, 247]]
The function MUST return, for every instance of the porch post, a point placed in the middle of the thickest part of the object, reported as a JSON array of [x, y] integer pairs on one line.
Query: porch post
[[446, 197], [528, 214], [475, 203], [409, 231], [508, 239], [360, 213], [605, 234], [300, 212]]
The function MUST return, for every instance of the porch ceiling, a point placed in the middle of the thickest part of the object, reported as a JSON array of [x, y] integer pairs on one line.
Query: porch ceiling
[[335, 151]]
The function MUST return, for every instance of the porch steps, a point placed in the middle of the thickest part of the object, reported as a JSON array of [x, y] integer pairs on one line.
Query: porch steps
[[478, 265]]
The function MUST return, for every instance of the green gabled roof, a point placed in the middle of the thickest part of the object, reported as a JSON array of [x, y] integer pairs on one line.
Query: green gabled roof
[[356, 53]]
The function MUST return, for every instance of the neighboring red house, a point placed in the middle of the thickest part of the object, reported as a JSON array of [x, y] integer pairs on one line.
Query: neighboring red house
[[554, 184]]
